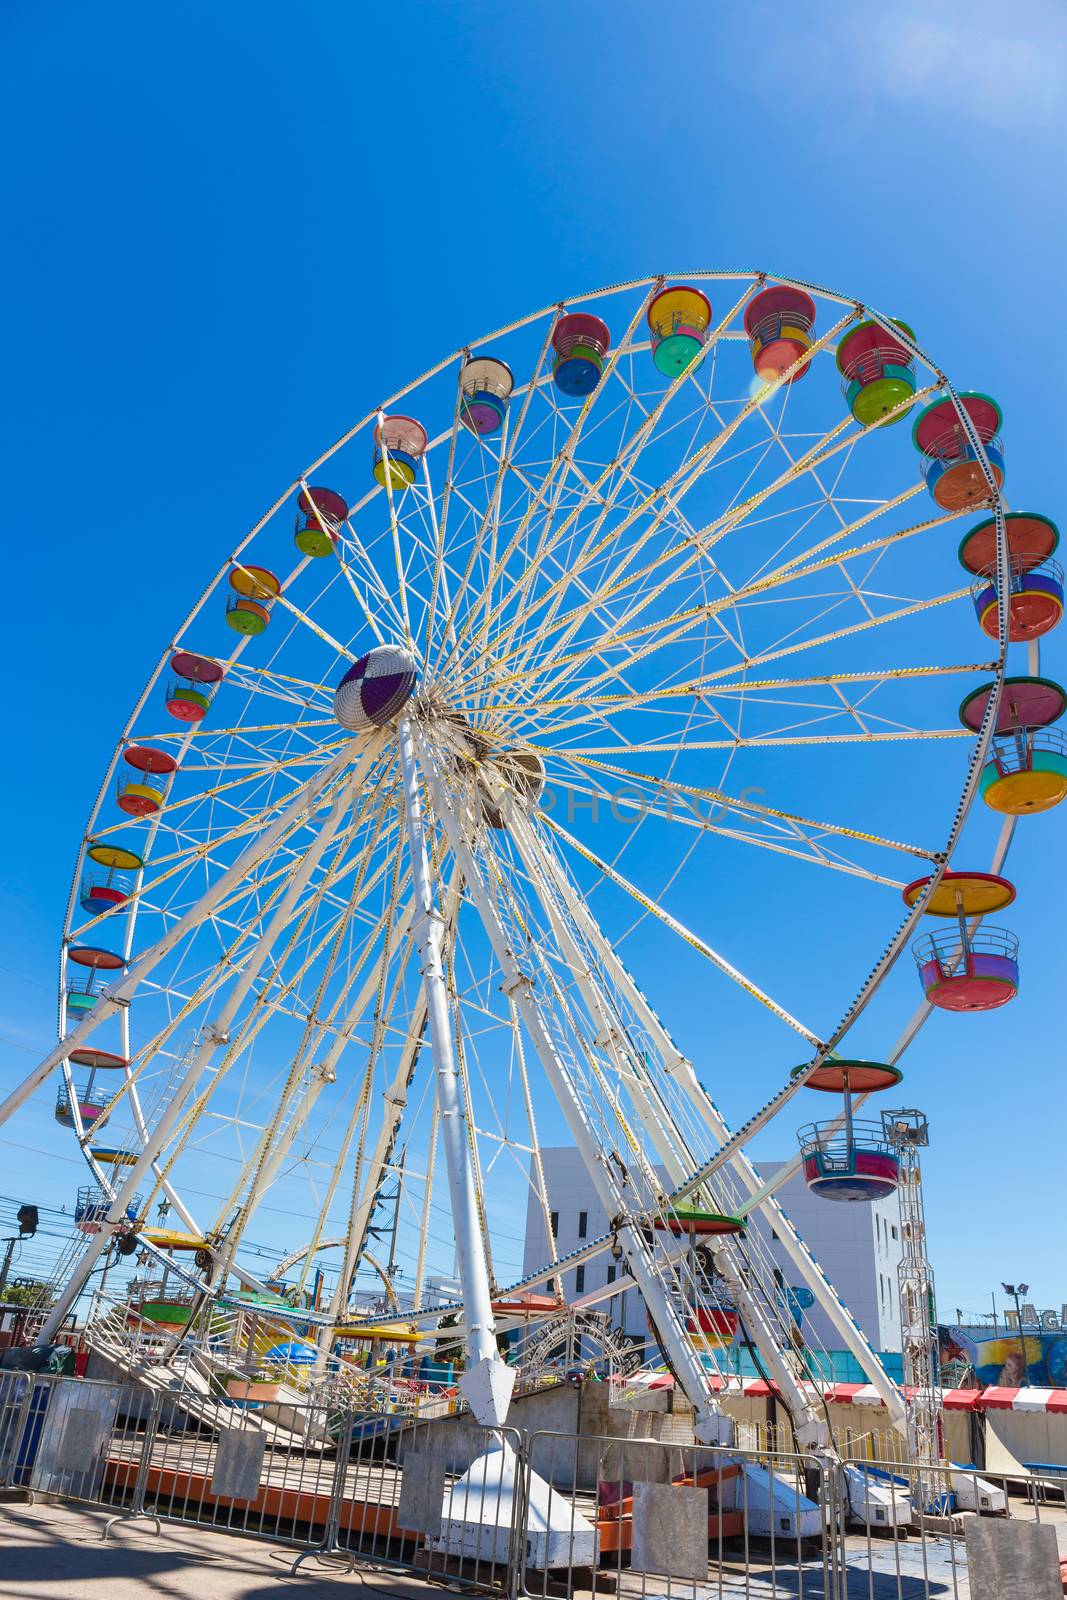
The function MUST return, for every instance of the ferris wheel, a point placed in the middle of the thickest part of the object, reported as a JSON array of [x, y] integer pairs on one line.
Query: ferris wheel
[[617, 659]]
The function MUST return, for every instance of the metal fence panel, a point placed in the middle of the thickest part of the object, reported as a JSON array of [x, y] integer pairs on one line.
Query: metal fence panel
[[440, 1496], [676, 1519], [234, 1466], [15, 1392], [76, 1426], [537, 1515]]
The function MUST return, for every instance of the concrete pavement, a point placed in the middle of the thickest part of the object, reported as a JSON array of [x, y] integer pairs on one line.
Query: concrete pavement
[[51, 1551]]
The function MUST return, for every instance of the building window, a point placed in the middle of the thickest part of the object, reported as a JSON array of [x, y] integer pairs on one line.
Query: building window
[[894, 1233], [774, 1236], [583, 1223], [579, 1280], [611, 1273], [554, 1219], [550, 1286], [778, 1278]]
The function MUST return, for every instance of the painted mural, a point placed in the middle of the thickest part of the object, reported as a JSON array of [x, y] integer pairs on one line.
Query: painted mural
[[974, 1357]]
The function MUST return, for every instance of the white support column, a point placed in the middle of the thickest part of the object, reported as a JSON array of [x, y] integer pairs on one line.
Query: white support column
[[760, 1193], [711, 1425], [215, 1033], [427, 1201], [488, 1381]]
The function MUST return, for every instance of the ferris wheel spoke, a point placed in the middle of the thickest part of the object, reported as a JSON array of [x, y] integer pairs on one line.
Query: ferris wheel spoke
[[829, 445], [680, 747], [554, 479], [368, 613], [827, 497], [703, 539], [735, 601], [439, 587], [684, 625], [210, 1041], [815, 855], [702, 687], [200, 733], [321, 633], [689, 469], [333, 538], [608, 587], [234, 957], [880, 509], [681, 479], [268, 1004], [449, 639], [199, 853], [571, 1012], [441, 524], [613, 1029], [290, 818], [679, 1071], [673, 790], [284, 688], [254, 1183], [805, 561], [692, 939], [342, 1032]]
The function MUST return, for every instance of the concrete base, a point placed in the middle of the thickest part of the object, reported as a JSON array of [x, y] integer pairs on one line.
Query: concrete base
[[978, 1494], [771, 1505], [476, 1518], [875, 1502], [715, 1428]]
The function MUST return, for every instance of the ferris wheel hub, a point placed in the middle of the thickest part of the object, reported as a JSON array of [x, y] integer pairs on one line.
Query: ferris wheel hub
[[375, 688]]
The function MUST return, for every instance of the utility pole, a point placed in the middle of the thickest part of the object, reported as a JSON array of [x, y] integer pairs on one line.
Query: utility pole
[[1015, 1290], [6, 1268], [27, 1218]]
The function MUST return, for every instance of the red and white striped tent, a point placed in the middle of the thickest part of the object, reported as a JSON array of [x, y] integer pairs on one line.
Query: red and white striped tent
[[865, 1394]]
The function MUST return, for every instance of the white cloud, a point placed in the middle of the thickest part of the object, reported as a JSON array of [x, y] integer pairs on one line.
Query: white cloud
[[964, 66]]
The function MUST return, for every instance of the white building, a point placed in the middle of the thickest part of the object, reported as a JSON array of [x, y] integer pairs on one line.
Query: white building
[[856, 1244]]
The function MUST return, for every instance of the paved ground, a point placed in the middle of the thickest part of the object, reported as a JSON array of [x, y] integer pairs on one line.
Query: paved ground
[[54, 1552]]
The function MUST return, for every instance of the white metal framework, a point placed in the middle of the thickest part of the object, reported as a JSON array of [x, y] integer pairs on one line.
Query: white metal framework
[[688, 651]]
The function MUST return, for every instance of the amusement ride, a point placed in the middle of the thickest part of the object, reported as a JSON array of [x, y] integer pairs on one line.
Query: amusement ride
[[619, 652]]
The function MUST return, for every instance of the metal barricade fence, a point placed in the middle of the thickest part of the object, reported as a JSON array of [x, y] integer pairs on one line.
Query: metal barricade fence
[[673, 1519], [235, 1468], [16, 1391], [438, 1497], [965, 1528], [534, 1514], [62, 1436]]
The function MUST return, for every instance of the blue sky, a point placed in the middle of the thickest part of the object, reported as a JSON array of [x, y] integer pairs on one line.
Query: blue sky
[[232, 229]]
